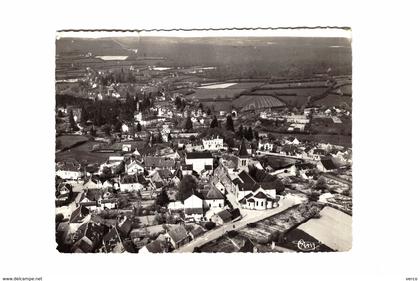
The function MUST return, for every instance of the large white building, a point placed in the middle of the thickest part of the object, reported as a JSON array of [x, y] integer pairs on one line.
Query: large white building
[[68, 171], [213, 144], [265, 144], [299, 119], [200, 161]]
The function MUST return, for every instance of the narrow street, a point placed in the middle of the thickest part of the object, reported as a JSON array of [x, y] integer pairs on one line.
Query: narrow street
[[250, 216]]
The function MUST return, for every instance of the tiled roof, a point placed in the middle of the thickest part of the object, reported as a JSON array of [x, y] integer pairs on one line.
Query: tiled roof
[[79, 213], [165, 173], [68, 166], [111, 239], [178, 234], [130, 179], [158, 162], [197, 231], [247, 183], [156, 247], [328, 164], [198, 155], [192, 211], [225, 216], [213, 193], [260, 195]]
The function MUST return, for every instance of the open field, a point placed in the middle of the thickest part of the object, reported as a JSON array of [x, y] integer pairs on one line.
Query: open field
[[217, 86], [306, 91], [291, 84], [207, 94], [252, 102], [334, 100], [83, 153], [285, 57], [246, 85], [70, 140]]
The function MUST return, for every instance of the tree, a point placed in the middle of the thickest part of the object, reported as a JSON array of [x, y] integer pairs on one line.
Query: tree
[[313, 196], [188, 124], [178, 102], [256, 135], [240, 132], [321, 184], [106, 173], [209, 225], [157, 138], [117, 126], [163, 199], [214, 123], [120, 168], [83, 115], [230, 142], [229, 123], [186, 187], [92, 131], [58, 144], [73, 124], [249, 134], [107, 130]]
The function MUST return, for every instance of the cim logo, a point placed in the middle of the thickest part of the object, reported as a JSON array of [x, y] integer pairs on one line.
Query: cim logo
[[306, 246]]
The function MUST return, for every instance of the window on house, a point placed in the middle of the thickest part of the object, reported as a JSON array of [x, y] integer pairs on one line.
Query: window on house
[[220, 205]]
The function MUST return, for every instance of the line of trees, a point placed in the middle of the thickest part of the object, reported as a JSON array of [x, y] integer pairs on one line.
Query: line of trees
[[247, 133]]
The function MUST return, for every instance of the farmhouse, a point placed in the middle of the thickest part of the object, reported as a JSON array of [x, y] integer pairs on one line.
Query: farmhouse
[[134, 167], [68, 170], [221, 217], [178, 236], [213, 198], [131, 182]]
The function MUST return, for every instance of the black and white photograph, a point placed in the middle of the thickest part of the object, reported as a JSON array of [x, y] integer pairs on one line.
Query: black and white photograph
[[196, 142], [186, 140]]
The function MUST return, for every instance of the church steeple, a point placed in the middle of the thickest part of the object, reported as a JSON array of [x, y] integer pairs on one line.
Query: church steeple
[[243, 156]]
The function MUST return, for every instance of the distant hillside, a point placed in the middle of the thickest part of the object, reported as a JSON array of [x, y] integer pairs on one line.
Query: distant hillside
[[245, 56]]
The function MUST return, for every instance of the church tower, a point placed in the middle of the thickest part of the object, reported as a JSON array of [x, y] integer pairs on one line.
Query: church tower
[[243, 157]]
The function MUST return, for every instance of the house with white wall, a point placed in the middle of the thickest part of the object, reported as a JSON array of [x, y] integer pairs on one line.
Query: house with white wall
[[213, 198], [69, 170], [199, 160], [134, 167], [265, 144], [213, 144]]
